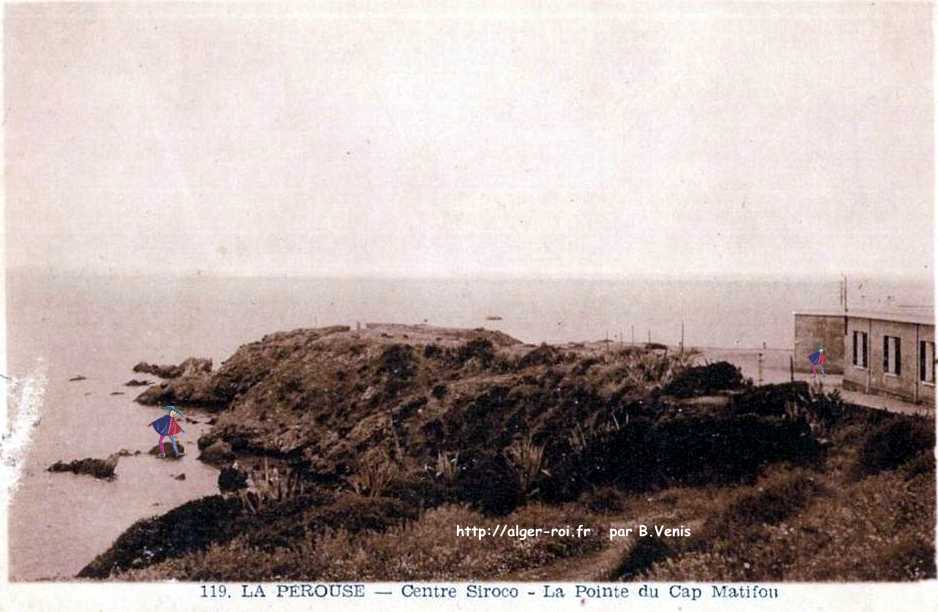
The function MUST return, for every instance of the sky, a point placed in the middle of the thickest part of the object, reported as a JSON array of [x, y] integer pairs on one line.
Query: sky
[[703, 140]]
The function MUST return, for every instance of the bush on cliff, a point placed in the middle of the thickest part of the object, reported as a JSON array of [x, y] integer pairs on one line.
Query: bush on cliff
[[892, 443], [191, 526], [771, 400], [705, 380]]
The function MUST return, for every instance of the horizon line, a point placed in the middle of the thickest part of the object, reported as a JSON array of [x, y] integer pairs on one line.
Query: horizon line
[[490, 276]]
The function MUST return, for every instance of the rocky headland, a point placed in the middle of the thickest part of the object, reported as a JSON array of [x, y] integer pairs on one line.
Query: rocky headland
[[362, 430]]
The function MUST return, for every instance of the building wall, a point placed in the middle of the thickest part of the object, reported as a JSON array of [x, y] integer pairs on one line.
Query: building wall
[[926, 392], [875, 379], [824, 330]]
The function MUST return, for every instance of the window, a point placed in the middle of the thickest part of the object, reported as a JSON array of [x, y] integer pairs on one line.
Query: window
[[926, 361], [892, 355], [860, 350]]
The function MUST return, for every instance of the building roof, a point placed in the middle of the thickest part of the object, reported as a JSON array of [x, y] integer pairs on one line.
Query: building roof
[[915, 317]]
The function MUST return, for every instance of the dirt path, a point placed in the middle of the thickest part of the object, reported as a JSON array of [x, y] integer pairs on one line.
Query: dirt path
[[600, 566]]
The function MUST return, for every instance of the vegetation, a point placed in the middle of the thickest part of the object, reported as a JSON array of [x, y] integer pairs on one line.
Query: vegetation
[[393, 440]]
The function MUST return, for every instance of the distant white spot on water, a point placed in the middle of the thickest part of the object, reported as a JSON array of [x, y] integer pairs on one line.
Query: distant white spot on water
[[24, 404]]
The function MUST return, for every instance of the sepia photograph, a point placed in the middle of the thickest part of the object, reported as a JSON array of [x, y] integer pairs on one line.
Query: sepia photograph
[[612, 295]]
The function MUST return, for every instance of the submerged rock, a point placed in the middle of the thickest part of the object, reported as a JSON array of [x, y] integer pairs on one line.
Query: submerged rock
[[77, 378], [133, 382], [99, 468]]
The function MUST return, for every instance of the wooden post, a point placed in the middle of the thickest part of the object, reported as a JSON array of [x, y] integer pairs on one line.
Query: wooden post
[[791, 367], [760, 368]]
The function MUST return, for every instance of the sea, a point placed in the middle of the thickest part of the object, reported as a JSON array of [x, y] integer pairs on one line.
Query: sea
[[62, 326]]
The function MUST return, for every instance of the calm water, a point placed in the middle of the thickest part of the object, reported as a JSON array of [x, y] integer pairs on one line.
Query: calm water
[[100, 326]]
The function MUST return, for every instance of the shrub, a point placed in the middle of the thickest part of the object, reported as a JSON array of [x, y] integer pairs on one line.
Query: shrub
[[478, 348], [923, 463], [542, 355], [528, 459], [892, 443], [703, 380], [447, 467], [398, 363], [439, 391], [771, 400], [201, 522], [374, 476], [490, 483], [698, 449]]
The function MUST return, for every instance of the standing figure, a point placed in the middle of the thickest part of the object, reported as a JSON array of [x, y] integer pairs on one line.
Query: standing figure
[[166, 425], [817, 359]]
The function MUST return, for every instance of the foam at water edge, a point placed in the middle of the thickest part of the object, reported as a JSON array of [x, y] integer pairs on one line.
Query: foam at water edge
[[25, 396]]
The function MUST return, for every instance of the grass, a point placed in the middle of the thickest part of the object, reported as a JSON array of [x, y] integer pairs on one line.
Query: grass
[[374, 476], [528, 458], [425, 549], [823, 525]]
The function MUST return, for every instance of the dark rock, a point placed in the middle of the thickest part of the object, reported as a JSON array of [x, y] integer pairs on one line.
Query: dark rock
[[169, 450], [77, 378], [180, 476], [99, 468], [217, 453], [190, 367], [232, 478], [133, 382], [117, 392], [195, 390], [125, 453], [163, 371]]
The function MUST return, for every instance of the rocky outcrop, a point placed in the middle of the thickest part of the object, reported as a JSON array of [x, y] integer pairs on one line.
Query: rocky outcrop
[[190, 367], [99, 468], [198, 524], [195, 390], [336, 403], [217, 453], [133, 382]]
